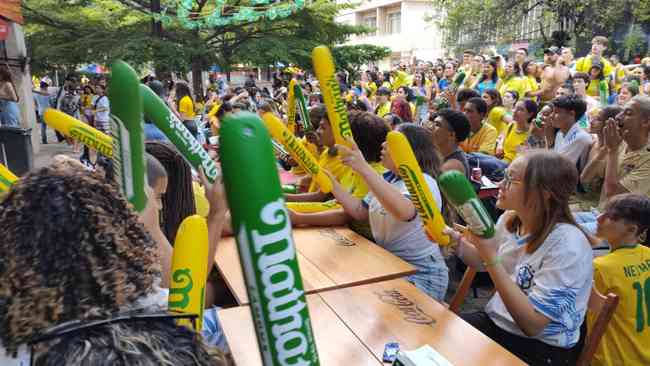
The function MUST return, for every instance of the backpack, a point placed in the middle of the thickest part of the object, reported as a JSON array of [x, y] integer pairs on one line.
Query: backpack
[[69, 104]]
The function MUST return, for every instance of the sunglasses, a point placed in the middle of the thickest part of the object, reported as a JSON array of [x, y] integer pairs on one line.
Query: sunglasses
[[77, 326]]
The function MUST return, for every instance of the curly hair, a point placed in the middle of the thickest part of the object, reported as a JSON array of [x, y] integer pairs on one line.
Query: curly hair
[[137, 343], [70, 243]]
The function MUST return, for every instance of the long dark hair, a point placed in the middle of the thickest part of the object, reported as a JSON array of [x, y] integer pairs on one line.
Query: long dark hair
[[424, 150], [178, 201], [552, 174], [183, 90], [494, 77]]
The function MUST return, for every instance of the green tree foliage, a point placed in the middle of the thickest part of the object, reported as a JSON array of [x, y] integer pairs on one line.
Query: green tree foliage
[[476, 22], [351, 58]]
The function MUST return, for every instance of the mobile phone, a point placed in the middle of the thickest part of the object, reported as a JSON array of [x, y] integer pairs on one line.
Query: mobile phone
[[390, 352]]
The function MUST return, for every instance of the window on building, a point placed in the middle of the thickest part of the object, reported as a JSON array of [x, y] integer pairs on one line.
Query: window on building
[[394, 23], [371, 22]]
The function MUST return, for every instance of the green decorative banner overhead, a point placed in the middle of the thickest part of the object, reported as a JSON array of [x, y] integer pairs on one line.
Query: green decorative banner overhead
[[219, 13]]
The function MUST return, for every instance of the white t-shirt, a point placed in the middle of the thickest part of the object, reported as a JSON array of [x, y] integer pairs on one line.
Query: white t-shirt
[[102, 102], [557, 279], [574, 144], [405, 239]]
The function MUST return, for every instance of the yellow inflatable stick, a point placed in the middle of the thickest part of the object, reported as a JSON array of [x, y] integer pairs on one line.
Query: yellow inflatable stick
[[337, 112], [312, 207], [409, 170], [291, 107], [79, 131], [189, 268], [302, 156], [7, 178]]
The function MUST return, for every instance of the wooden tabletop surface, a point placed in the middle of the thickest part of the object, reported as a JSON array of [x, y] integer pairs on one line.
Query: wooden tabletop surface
[[329, 258], [396, 311], [336, 344]]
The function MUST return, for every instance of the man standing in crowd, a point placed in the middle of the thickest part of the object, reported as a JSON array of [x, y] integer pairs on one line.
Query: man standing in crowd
[[555, 74], [598, 47]]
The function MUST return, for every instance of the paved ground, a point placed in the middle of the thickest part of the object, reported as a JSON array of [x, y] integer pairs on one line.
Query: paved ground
[[47, 151]]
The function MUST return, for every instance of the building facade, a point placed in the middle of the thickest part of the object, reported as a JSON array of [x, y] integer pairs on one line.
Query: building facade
[[407, 27]]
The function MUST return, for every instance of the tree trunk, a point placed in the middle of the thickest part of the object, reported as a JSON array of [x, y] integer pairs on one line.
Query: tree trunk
[[197, 77]]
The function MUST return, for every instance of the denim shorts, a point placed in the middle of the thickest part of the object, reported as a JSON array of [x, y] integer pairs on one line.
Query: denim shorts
[[432, 276]]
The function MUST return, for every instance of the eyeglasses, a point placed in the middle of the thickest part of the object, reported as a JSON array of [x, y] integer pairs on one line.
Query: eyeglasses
[[76, 326], [508, 181]]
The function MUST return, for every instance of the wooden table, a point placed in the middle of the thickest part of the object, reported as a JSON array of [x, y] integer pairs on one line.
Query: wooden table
[[336, 344], [396, 311], [329, 258]]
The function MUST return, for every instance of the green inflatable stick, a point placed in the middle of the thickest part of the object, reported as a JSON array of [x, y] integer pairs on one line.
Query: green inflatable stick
[[128, 134], [156, 111], [302, 109], [262, 229]]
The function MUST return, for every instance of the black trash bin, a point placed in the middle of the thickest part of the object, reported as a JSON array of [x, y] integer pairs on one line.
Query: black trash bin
[[16, 151]]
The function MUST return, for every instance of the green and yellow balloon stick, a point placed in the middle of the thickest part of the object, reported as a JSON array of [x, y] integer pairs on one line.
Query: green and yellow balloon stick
[[7, 178], [409, 170], [128, 134], [329, 86], [79, 131], [262, 229], [302, 109], [157, 111], [291, 106], [189, 268], [298, 152]]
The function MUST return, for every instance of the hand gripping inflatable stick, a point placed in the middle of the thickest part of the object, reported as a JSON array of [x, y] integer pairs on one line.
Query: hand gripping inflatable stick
[[410, 172], [7, 178], [155, 110], [261, 224], [280, 133], [79, 131], [291, 106], [460, 193], [329, 86], [189, 268], [128, 134]]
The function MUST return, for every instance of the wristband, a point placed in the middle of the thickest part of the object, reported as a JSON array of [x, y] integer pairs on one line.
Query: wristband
[[493, 262]]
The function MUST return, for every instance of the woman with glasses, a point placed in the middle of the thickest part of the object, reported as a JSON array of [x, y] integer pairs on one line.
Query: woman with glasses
[[539, 260]]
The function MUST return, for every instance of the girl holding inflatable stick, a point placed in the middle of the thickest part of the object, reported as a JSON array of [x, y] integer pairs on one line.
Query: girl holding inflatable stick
[[392, 215]]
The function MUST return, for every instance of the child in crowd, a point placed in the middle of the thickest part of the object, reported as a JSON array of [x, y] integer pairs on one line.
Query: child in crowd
[[393, 218], [626, 273]]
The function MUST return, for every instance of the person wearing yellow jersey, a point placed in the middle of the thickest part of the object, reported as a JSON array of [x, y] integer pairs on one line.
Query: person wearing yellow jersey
[[496, 115], [530, 76], [625, 271], [369, 133], [516, 133], [310, 139], [618, 73], [513, 142], [598, 47], [184, 107], [482, 137], [400, 78], [511, 80], [382, 107], [595, 76]]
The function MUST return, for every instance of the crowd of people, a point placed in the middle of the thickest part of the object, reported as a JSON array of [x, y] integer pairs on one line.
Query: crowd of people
[[566, 141]]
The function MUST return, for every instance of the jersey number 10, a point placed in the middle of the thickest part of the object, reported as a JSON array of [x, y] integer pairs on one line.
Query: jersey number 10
[[641, 292]]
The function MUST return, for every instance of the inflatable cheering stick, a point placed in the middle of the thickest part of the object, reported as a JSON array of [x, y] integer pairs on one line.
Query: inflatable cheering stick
[[189, 268], [128, 134], [7, 178], [291, 106], [337, 112], [302, 109], [156, 110], [262, 229], [299, 153], [312, 207], [79, 131], [420, 194], [461, 194]]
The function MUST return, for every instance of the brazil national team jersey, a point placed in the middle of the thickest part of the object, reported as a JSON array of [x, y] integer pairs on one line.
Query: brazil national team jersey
[[626, 273]]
